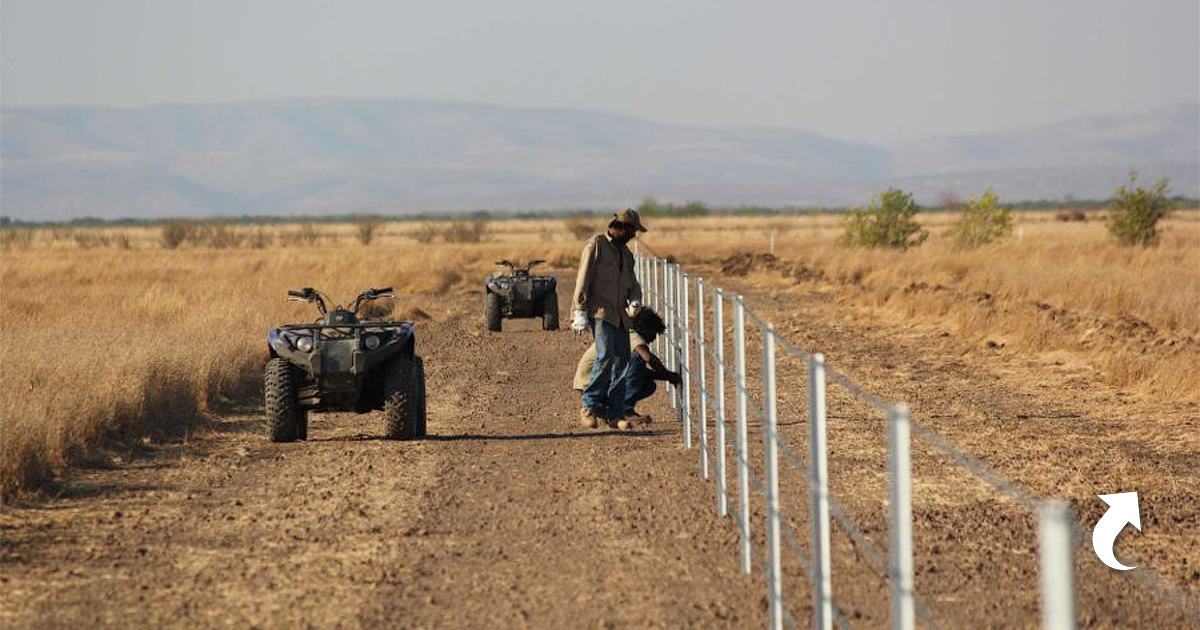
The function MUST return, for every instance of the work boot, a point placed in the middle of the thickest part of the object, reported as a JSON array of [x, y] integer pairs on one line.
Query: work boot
[[632, 419], [588, 419]]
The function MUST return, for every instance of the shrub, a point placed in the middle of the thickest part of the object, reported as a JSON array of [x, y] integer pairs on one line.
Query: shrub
[[306, 235], [1134, 214], [87, 240], [174, 233], [16, 237], [651, 207], [982, 221], [472, 231], [61, 234], [365, 229], [260, 238], [887, 222], [581, 229], [221, 236], [1068, 216], [425, 233]]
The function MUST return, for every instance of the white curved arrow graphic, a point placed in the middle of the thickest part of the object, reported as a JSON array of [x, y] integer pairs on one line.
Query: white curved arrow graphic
[[1122, 509]]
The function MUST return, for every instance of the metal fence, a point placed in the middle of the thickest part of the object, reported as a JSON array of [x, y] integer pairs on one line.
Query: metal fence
[[686, 301]]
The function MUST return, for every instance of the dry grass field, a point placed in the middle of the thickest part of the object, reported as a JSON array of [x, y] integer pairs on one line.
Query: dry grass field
[[108, 338]]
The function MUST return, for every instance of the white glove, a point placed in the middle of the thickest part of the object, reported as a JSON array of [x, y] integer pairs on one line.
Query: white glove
[[579, 322], [633, 308]]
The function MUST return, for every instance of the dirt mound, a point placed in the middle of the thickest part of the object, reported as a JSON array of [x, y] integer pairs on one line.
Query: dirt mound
[[744, 263], [1092, 329]]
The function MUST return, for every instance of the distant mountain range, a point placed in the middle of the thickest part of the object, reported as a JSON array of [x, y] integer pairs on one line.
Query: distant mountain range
[[333, 156]]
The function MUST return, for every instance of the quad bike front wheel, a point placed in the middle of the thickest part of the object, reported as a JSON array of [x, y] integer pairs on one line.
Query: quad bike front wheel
[[400, 399], [491, 311], [419, 383], [286, 421], [550, 311]]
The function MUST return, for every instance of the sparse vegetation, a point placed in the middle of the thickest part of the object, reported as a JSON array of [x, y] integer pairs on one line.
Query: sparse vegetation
[[889, 221], [474, 231], [1135, 212], [222, 236], [16, 237], [581, 229], [982, 221], [651, 207], [365, 229], [181, 299], [1067, 216], [306, 235], [190, 355], [176, 233], [425, 233]]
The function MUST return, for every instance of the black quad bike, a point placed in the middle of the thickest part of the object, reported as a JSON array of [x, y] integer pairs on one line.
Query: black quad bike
[[517, 294], [341, 363]]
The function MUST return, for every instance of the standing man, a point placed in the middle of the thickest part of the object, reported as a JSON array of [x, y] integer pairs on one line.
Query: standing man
[[604, 287]]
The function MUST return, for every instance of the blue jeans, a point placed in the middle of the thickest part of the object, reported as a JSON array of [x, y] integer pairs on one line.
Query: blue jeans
[[605, 390], [638, 383]]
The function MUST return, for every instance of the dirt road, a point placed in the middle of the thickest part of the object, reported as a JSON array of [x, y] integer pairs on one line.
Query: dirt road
[[508, 516]]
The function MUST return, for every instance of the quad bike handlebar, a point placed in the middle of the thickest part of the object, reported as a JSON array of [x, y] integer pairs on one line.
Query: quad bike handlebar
[[514, 268], [309, 294]]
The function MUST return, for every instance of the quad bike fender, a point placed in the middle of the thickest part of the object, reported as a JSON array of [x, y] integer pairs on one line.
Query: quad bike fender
[[343, 357], [546, 284]]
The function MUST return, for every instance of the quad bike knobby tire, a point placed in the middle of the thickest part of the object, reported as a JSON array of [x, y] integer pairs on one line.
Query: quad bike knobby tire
[[286, 421], [419, 385], [491, 311], [400, 403], [550, 311]]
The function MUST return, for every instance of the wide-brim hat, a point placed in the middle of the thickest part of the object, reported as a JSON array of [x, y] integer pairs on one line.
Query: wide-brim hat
[[629, 216]]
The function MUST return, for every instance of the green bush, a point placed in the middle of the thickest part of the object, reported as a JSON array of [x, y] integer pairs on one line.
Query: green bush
[[889, 221], [1134, 213], [982, 221], [651, 207]]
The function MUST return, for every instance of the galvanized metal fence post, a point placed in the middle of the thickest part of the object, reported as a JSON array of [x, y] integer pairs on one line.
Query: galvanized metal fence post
[[743, 456], [672, 325], [901, 548], [656, 300], [719, 412], [822, 582], [1057, 566], [685, 338], [771, 456], [702, 366]]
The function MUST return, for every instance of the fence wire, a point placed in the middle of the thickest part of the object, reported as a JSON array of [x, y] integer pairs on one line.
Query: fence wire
[[683, 334]]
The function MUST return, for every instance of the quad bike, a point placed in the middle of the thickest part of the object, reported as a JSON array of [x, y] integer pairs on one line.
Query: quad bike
[[517, 294], [341, 363]]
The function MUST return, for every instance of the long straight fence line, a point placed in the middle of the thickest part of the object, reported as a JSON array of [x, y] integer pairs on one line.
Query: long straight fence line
[[675, 294]]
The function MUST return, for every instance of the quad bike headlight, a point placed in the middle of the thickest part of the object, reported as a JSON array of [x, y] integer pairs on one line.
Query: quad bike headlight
[[304, 344], [371, 342]]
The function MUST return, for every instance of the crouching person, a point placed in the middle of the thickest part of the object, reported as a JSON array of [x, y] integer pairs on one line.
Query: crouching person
[[644, 368]]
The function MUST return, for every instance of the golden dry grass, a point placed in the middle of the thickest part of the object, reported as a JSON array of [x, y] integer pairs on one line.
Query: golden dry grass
[[107, 344], [1053, 286], [119, 342]]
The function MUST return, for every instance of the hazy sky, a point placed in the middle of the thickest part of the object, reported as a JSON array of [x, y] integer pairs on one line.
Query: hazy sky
[[873, 71]]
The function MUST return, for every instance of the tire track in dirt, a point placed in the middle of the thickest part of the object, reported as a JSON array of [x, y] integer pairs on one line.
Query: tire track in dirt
[[507, 516]]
